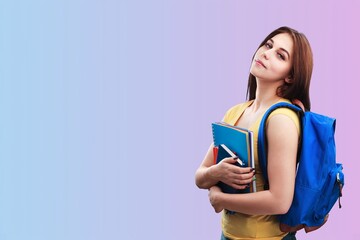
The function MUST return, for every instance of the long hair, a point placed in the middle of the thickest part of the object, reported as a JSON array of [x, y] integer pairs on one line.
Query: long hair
[[300, 71]]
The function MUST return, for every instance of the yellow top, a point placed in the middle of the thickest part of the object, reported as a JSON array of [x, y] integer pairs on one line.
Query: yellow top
[[240, 226]]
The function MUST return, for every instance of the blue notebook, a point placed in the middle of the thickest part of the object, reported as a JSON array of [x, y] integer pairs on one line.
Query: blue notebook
[[240, 142]]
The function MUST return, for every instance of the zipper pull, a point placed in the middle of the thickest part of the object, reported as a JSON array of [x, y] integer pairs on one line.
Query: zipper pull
[[340, 187]]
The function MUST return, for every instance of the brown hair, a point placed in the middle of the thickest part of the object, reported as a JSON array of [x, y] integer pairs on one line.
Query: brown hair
[[300, 72]]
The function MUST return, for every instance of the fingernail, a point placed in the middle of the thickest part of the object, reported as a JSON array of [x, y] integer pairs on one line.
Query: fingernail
[[253, 169]]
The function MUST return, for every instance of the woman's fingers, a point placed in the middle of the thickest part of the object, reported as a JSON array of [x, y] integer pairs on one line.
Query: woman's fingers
[[242, 170], [229, 160], [244, 177], [235, 176], [242, 181], [214, 192]]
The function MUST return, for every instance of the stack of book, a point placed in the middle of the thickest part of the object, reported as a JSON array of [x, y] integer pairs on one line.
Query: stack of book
[[232, 141]]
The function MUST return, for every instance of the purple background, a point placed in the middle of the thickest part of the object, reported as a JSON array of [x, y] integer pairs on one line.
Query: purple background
[[106, 109]]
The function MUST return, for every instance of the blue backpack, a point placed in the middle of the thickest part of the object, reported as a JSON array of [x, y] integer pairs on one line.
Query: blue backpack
[[319, 179]]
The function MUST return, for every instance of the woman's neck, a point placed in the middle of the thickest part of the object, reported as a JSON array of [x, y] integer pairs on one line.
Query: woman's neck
[[265, 96]]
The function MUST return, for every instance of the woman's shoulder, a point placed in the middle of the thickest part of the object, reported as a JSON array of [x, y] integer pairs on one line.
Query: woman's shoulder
[[287, 112]]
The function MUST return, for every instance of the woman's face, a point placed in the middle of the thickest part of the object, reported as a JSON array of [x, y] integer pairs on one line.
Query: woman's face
[[273, 60]]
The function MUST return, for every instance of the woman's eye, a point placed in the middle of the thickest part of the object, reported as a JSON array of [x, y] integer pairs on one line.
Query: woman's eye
[[268, 45], [281, 56]]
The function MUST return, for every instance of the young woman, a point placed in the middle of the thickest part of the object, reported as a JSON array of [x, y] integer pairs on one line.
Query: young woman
[[281, 70]]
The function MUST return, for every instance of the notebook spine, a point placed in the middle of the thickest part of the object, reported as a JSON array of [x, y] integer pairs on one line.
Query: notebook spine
[[213, 133]]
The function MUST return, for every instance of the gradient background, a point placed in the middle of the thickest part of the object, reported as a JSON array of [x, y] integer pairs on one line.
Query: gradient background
[[106, 106]]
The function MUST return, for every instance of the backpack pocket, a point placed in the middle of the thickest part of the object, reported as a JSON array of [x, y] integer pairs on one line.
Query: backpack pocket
[[331, 191]]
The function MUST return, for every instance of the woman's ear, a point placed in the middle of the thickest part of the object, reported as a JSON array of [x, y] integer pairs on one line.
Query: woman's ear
[[289, 80]]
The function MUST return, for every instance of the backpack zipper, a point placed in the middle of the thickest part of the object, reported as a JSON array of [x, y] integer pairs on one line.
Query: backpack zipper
[[340, 187]]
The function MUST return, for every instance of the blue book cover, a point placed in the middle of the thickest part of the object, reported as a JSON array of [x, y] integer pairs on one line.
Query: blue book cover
[[239, 141]]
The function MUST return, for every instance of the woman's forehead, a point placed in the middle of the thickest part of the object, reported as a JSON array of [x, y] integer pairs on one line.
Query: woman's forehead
[[283, 40]]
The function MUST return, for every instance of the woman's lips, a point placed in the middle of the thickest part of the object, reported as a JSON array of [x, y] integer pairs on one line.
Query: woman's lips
[[259, 62]]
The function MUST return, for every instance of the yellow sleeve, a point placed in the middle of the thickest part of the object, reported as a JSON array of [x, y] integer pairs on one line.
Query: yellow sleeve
[[287, 112]]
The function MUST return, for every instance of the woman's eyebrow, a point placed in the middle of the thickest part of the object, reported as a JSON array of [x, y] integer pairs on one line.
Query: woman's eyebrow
[[283, 49]]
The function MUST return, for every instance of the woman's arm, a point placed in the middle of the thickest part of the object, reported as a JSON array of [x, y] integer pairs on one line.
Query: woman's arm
[[282, 138], [209, 174]]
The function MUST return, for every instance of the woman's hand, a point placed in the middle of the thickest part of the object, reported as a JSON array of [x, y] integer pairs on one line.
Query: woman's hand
[[214, 195], [209, 174], [232, 175]]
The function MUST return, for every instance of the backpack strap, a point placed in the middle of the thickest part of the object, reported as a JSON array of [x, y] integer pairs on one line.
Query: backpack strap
[[262, 141]]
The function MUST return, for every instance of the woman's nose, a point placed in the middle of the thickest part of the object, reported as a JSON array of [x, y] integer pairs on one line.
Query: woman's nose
[[265, 54]]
